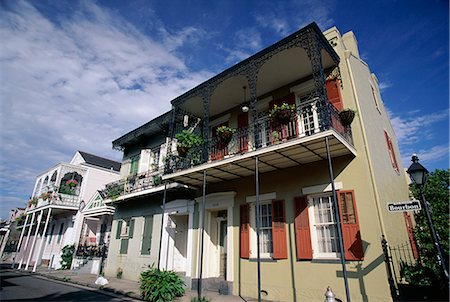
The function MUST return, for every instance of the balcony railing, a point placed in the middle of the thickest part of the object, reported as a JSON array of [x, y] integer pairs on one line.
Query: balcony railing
[[133, 183], [52, 198], [308, 119]]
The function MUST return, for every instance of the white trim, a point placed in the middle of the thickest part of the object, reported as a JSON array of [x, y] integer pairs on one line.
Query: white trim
[[217, 201], [321, 188], [262, 197]]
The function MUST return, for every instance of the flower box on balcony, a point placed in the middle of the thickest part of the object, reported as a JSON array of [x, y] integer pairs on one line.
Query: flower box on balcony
[[346, 116], [282, 114], [225, 133]]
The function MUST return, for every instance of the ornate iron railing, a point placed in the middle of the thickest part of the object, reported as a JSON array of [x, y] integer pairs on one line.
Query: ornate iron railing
[[309, 118], [133, 183], [89, 251]]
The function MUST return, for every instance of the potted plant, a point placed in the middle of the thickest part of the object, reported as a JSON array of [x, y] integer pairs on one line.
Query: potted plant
[[187, 140], [346, 116], [225, 133], [282, 114], [71, 183], [32, 202]]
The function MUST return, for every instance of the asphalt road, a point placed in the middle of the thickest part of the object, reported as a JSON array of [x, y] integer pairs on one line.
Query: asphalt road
[[18, 286]]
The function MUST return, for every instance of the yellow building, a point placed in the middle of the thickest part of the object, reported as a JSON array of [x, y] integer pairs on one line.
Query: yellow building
[[275, 133]]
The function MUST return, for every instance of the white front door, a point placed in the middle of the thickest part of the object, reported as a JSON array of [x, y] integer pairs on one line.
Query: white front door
[[180, 242]]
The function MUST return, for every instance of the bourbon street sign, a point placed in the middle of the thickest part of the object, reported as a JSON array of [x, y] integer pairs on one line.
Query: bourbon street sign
[[410, 205]]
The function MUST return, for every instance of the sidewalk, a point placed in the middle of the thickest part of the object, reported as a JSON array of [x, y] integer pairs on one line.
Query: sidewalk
[[122, 286]]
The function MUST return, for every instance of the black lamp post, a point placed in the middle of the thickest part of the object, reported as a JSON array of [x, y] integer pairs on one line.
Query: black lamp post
[[419, 175]]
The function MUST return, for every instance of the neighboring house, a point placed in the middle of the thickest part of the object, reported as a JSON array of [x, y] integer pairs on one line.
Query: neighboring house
[[282, 161], [10, 232], [58, 195]]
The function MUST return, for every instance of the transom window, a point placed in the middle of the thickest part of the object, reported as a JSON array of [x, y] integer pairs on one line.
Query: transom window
[[323, 227]]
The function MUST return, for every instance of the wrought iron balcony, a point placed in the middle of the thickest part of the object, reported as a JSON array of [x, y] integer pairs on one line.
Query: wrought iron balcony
[[309, 118], [132, 184], [51, 198]]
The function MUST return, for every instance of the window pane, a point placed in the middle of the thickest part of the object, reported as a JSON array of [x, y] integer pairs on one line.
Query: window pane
[[265, 228], [324, 224]]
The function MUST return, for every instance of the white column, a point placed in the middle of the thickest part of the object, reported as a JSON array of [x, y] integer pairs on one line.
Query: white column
[[34, 238], [189, 258], [26, 241], [43, 239], [20, 240], [230, 255], [5, 240]]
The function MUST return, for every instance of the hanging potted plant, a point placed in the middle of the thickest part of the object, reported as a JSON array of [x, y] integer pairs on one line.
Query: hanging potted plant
[[71, 183], [346, 116], [225, 133], [187, 140], [282, 114]]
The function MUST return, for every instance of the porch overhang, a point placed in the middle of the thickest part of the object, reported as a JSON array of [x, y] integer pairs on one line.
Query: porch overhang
[[276, 157]]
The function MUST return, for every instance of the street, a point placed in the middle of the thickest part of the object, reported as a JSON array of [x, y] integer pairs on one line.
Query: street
[[19, 286]]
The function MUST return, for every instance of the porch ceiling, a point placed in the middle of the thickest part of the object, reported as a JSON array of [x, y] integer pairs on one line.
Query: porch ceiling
[[293, 153]]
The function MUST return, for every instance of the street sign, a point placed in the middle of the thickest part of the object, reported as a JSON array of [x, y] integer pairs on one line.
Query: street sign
[[410, 205]]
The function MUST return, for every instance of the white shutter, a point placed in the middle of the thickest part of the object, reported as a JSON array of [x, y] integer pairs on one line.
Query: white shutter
[[144, 161], [162, 155]]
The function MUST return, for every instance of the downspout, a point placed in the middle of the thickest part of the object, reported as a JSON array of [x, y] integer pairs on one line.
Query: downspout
[[347, 55], [202, 237]]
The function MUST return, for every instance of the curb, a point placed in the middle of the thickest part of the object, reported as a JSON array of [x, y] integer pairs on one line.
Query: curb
[[106, 290]]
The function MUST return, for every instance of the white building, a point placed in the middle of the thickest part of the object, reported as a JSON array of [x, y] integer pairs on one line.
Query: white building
[[53, 217]]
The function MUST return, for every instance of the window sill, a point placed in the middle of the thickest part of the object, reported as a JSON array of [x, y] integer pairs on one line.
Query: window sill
[[262, 259], [326, 260]]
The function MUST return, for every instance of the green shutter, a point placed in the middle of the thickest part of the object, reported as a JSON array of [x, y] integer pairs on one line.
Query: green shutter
[[131, 228], [119, 229], [124, 246], [147, 236]]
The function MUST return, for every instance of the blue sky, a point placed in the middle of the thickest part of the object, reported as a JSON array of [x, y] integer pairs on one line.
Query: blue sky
[[76, 75]]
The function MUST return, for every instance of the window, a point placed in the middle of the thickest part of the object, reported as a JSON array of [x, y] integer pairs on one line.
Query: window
[[374, 95], [316, 228], [124, 233], [323, 227], [134, 164], [265, 229], [272, 230], [147, 236], [391, 151]]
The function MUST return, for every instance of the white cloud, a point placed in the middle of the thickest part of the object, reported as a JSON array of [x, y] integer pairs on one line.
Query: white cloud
[[434, 154], [410, 129], [78, 85]]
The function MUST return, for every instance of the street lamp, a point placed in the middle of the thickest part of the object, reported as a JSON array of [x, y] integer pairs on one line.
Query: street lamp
[[419, 175]]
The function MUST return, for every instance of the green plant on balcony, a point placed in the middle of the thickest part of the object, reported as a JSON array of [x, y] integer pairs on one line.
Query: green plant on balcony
[[157, 179], [346, 116], [282, 114], [186, 141], [114, 190], [46, 196], [225, 133], [20, 219], [33, 201]]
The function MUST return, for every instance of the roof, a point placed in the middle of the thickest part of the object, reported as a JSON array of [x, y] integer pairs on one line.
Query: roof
[[150, 128], [100, 161]]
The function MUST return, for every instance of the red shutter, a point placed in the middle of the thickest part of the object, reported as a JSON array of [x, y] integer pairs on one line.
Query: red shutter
[[243, 131], [334, 93], [279, 230], [245, 231], [350, 226], [412, 241], [302, 231], [391, 151]]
